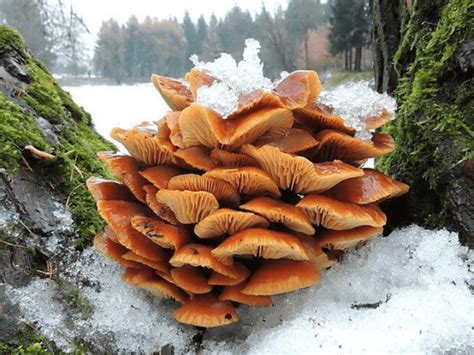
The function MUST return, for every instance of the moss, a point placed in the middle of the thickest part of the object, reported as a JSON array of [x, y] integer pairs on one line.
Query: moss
[[432, 130], [10, 37], [341, 77], [70, 294], [28, 342]]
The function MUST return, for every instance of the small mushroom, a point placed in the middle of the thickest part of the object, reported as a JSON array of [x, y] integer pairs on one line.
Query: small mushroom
[[337, 215], [293, 141], [222, 191], [162, 265], [125, 168], [226, 221], [299, 88], [195, 126], [162, 129], [220, 280], [206, 311], [315, 118], [160, 209], [41, 154], [134, 276], [188, 206], [346, 239], [317, 256], [276, 211], [234, 294], [225, 159], [160, 175], [255, 100], [249, 180], [102, 189], [172, 122], [377, 121], [174, 92], [372, 187], [113, 250], [195, 158], [165, 235], [279, 276], [263, 243], [190, 279], [197, 78]]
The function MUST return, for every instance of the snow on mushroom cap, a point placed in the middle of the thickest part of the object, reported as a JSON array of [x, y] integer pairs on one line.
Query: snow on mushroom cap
[[233, 79]]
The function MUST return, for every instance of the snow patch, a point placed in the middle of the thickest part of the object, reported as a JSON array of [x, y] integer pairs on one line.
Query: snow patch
[[408, 292]]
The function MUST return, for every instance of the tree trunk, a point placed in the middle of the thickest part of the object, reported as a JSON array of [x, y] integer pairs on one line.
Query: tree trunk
[[435, 93], [345, 60], [350, 59]]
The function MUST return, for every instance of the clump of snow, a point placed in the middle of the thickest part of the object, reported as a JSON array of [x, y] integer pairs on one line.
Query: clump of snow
[[408, 292], [232, 79], [355, 102]]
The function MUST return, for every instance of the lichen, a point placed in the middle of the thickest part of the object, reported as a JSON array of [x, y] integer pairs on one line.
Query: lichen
[[433, 131], [10, 37]]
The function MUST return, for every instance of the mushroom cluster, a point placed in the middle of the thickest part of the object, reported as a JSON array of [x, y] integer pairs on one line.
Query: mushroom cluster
[[214, 211]]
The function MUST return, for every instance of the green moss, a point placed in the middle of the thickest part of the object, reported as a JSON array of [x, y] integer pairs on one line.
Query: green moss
[[10, 37], [73, 297], [432, 131], [344, 76], [29, 343]]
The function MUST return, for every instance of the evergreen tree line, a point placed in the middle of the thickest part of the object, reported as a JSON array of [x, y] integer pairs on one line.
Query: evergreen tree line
[[289, 39]]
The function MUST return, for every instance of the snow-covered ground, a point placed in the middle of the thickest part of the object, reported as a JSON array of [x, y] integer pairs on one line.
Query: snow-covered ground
[[408, 292]]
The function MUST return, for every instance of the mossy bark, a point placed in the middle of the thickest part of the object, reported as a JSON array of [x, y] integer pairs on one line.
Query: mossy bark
[[434, 128]]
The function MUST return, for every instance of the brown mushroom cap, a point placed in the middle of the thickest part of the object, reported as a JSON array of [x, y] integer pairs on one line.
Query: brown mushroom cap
[[234, 294], [263, 243], [294, 140], [247, 180], [165, 235], [195, 158], [200, 255], [125, 168], [162, 266], [333, 214], [190, 279], [316, 118], [276, 211], [102, 189], [206, 311], [222, 191], [113, 250], [280, 276], [136, 276], [164, 289], [188, 206], [225, 159], [346, 239], [319, 258], [118, 215], [172, 122], [337, 145], [144, 145], [221, 280], [197, 78], [299, 88], [372, 187], [174, 92], [297, 173], [195, 127], [226, 221], [160, 209], [160, 175], [163, 131], [255, 100], [377, 121]]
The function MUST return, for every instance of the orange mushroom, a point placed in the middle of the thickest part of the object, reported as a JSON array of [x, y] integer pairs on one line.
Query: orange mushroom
[[234, 294], [377, 121], [333, 214], [197, 78], [206, 311], [174, 92], [294, 140], [160, 209], [113, 250], [160, 175], [172, 122], [190, 279], [102, 189], [315, 117], [255, 100], [162, 265], [165, 235], [317, 256], [195, 158], [299, 88], [225, 159], [279, 276], [346, 239], [220, 280], [134, 276], [226, 221]]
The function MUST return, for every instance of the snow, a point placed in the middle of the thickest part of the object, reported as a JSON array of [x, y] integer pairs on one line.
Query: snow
[[355, 102], [416, 280]]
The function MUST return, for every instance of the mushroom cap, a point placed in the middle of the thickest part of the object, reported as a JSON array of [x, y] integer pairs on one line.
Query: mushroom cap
[[297, 173], [188, 206], [346, 239], [163, 131], [113, 250], [276, 211], [134, 276], [372, 187], [125, 168], [200, 255], [174, 92], [161, 265], [195, 158], [172, 122], [190, 279], [165, 235], [247, 180], [143, 144], [164, 289], [377, 121], [337, 215], [294, 140], [317, 256], [263, 243], [102, 189], [225, 159], [118, 215], [299, 88], [221, 280], [316, 118], [197, 78], [337, 145], [206, 311], [160, 209], [280, 276], [234, 294], [160, 175], [222, 191], [226, 221], [255, 100], [201, 125]]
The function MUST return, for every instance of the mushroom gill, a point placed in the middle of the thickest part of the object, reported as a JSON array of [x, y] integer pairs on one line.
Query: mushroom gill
[[159, 232], [234, 294], [174, 92], [102, 189]]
